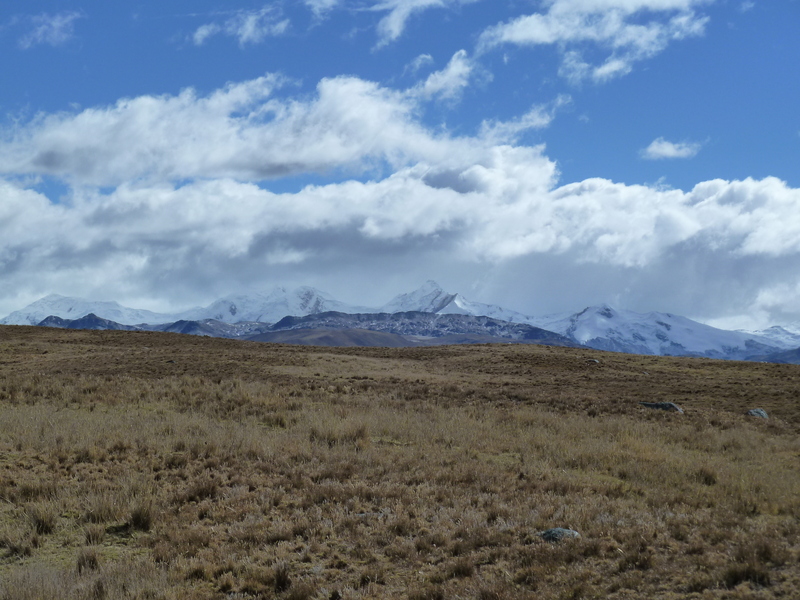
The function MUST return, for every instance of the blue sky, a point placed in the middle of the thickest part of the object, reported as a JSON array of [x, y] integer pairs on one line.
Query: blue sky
[[543, 156]]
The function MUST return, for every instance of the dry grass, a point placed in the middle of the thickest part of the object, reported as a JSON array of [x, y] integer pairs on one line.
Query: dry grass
[[140, 465]]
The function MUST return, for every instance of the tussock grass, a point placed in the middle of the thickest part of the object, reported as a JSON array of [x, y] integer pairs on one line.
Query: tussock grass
[[163, 466]]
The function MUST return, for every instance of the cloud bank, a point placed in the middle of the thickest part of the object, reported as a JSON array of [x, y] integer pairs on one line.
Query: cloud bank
[[169, 196]]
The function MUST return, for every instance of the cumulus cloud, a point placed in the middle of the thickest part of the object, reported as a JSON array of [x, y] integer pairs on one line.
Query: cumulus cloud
[[241, 131], [628, 31], [449, 83], [52, 29], [661, 148], [249, 27], [186, 216], [507, 209]]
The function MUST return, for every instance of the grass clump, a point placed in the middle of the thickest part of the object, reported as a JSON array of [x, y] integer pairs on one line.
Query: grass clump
[[43, 517]]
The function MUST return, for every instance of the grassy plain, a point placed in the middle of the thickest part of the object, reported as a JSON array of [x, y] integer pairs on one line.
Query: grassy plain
[[146, 465]]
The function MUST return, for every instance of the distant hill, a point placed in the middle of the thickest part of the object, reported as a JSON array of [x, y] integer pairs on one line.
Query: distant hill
[[335, 338], [211, 328], [787, 357], [90, 321], [429, 325]]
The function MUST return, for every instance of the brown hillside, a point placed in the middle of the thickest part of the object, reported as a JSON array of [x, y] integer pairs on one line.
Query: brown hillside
[[147, 465]]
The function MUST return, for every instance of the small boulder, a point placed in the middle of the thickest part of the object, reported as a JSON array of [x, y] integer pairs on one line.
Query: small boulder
[[557, 534], [668, 406], [758, 412]]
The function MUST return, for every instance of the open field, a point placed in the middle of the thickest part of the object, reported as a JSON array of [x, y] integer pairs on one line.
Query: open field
[[147, 465]]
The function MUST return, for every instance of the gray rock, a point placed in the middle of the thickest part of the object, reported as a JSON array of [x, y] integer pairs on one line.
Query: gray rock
[[557, 534], [668, 406], [758, 412]]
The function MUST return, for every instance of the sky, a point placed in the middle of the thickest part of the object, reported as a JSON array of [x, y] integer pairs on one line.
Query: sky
[[541, 155]]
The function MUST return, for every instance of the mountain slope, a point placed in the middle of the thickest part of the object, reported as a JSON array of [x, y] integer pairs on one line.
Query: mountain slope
[[785, 337], [90, 321], [425, 324], [66, 307], [431, 298], [211, 328], [786, 357], [604, 328], [269, 308], [334, 338]]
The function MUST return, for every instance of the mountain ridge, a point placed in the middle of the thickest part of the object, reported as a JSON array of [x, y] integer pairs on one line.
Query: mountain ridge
[[600, 327]]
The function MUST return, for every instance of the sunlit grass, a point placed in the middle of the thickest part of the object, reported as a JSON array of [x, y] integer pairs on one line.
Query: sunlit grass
[[162, 466]]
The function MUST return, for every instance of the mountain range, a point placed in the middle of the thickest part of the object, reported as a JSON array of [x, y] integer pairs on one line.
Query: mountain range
[[424, 316]]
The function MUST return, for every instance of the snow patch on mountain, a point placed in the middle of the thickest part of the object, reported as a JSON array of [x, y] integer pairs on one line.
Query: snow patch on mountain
[[787, 337], [431, 298], [237, 308], [271, 307], [605, 328]]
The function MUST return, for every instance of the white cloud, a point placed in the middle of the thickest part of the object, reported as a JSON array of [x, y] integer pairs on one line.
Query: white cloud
[[249, 27], [539, 117], [418, 63], [321, 7], [53, 29], [628, 30], [185, 219], [391, 27], [505, 210], [241, 131], [661, 148], [449, 83]]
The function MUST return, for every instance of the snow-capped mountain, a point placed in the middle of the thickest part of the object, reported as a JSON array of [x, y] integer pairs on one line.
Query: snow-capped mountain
[[788, 337], [267, 308], [601, 327], [74, 308], [604, 328], [271, 307], [431, 298]]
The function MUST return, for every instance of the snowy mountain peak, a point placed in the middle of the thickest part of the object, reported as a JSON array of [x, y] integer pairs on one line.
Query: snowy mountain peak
[[787, 337], [605, 328], [429, 298], [67, 307], [600, 311], [271, 307], [430, 286], [313, 301]]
